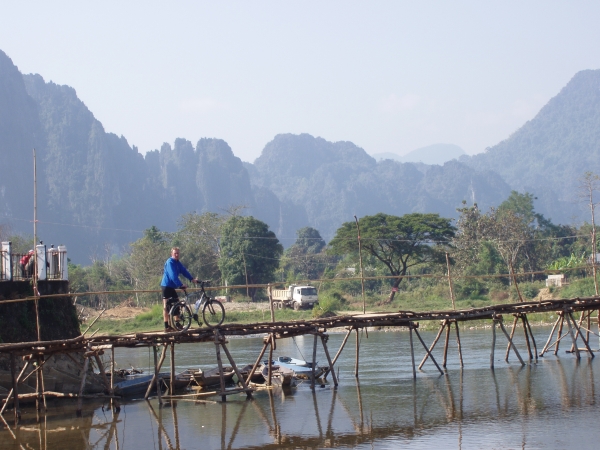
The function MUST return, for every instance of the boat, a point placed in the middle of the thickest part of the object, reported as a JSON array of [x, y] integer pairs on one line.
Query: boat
[[209, 377], [257, 376], [301, 368], [279, 374], [137, 384]]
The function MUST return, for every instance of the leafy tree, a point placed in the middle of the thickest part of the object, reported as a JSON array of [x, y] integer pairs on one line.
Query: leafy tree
[[199, 239], [306, 259], [250, 252], [147, 258], [397, 242]]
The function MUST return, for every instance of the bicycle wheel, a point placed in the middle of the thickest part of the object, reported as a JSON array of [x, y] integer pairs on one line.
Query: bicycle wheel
[[180, 317], [213, 313]]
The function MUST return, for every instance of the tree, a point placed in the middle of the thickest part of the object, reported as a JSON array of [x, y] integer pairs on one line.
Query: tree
[[305, 259], [397, 242], [250, 252], [199, 239]]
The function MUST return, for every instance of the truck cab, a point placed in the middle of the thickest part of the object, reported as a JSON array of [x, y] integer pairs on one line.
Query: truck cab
[[304, 296]]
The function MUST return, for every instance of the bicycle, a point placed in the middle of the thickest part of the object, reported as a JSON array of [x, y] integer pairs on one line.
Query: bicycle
[[181, 316]]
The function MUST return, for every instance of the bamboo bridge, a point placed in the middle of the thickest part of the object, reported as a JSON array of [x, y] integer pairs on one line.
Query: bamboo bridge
[[92, 347]]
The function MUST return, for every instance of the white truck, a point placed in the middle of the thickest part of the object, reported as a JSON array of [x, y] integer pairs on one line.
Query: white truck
[[295, 296]]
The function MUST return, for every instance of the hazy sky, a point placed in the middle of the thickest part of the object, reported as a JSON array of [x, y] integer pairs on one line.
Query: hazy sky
[[389, 76]]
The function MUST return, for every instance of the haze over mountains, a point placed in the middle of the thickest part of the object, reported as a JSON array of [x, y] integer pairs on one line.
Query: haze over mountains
[[95, 189]]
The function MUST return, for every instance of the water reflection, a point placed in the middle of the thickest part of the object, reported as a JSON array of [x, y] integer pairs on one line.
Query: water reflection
[[511, 406]]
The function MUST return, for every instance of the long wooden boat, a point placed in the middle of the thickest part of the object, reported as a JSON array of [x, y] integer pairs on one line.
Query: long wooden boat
[[209, 377]]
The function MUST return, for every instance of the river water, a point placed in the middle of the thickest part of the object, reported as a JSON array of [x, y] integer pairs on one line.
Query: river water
[[550, 404]]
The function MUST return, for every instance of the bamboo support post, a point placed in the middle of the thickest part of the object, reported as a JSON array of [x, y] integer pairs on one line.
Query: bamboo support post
[[324, 342], [172, 380], [270, 362], [247, 390], [458, 344], [510, 341], [550, 337], [450, 284], [585, 342], [10, 393], [446, 345], [82, 387], [257, 363], [427, 350], [493, 344], [335, 358], [526, 332], [573, 338], [512, 333], [357, 352], [314, 362], [220, 364], [13, 369], [526, 323], [560, 328], [437, 337], [412, 353], [155, 377], [270, 292]]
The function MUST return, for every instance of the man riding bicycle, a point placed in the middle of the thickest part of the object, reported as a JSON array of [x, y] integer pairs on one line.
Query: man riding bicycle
[[170, 282]]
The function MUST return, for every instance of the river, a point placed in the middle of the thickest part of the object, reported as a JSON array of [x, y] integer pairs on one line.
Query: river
[[550, 404]]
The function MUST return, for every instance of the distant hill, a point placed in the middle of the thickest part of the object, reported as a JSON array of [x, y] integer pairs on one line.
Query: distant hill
[[95, 191], [550, 153], [431, 154]]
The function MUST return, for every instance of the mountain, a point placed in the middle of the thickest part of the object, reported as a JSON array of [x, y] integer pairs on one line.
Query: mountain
[[432, 154], [551, 153], [333, 181], [96, 192]]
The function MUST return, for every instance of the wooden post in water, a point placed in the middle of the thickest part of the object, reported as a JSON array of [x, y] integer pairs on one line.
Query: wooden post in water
[[446, 345], [270, 292], [437, 337], [550, 337], [458, 344], [220, 364], [493, 343], [573, 338], [585, 342], [560, 328], [357, 351], [81, 387], [425, 347], [270, 362], [532, 336], [13, 370], [510, 341], [330, 369], [324, 340], [512, 333], [526, 336], [314, 361], [155, 379], [412, 352], [172, 381], [247, 390]]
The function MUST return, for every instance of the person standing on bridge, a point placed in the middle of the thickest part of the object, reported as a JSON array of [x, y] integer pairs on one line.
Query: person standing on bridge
[[170, 282]]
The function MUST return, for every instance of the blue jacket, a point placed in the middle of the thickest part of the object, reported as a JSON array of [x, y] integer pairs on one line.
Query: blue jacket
[[174, 268]]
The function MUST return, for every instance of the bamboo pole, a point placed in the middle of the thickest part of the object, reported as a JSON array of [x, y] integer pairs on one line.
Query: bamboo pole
[[247, 390], [412, 353], [82, 386], [155, 377], [560, 328], [257, 363], [13, 369], [446, 346], [573, 338], [324, 342], [586, 343], [362, 274], [338, 353], [450, 284], [314, 361], [220, 364], [493, 343], [512, 333], [437, 337], [270, 292], [510, 341], [458, 344], [526, 337], [550, 337], [270, 363], [10, 393], [172, 357], [425, 347], [532, 336], [357, 352]]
